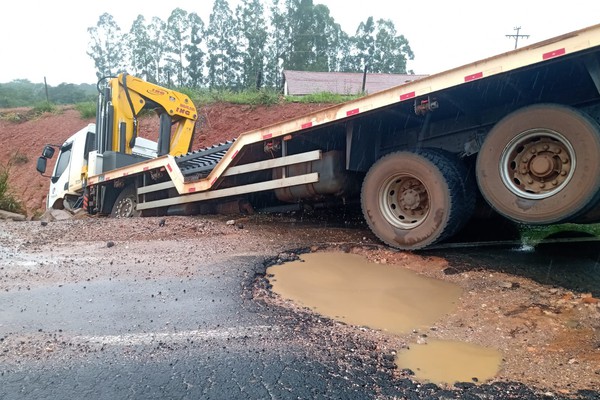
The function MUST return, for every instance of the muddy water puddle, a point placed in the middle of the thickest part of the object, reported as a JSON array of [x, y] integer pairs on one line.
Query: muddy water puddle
[[349, 288]]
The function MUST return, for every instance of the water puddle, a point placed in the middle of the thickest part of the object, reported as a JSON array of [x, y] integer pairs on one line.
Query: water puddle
[[349, 288], [448, 362]]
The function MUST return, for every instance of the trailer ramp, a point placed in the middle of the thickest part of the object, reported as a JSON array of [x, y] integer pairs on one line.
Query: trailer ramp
[[199, 163]]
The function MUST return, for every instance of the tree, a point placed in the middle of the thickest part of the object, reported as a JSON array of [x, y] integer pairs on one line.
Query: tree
[[107, 46], [277, 45], [177, 36], [251, 22], [314, 37], [223, 66], [157, 46], [301, 35], [378, 48], [139, 49], [193, 51], [327, 40]]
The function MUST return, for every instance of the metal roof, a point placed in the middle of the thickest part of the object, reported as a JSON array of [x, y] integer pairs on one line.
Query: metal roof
[[304, 82]]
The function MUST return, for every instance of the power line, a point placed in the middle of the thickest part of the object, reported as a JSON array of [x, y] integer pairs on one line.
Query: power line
[[517, 36]]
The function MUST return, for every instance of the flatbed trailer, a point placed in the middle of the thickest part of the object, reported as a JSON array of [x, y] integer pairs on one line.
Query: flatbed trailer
[[518, 132]]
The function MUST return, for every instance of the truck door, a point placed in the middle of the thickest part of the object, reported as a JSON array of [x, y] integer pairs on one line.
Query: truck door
[[59, 182]]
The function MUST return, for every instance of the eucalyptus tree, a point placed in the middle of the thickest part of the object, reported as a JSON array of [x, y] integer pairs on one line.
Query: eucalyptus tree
[[300, 50], [194, 53], [177, 37], [315, 39], [277, 44], [158, 47], [140, 57], [107, 46], [328, 40], [251, 23], [377, 47], [222, 63]]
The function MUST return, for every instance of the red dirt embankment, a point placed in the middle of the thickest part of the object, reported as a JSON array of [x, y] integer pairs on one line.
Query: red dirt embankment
[[217, 123]]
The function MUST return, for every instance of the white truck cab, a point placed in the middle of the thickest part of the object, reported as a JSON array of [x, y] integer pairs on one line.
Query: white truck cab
[[67, 180]]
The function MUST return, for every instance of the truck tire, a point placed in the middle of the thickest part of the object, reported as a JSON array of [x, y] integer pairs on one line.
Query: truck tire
[[541, 164], [413, 200], [125, 204]]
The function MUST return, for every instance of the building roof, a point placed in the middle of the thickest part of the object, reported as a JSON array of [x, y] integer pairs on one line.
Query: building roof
[[303, 82]]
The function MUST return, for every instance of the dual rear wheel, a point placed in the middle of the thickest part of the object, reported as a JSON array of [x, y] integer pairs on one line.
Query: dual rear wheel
[[411, 200], [538, 165], [541, 165]]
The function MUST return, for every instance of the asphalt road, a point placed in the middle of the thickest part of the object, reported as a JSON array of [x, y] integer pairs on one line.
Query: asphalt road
[[206, 335]]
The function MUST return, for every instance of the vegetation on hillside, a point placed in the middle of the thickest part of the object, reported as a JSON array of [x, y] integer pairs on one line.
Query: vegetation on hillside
[[23, 93], [8, 200]]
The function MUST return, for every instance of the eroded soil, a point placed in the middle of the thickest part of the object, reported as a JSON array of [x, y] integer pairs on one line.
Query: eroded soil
[[24, 136]]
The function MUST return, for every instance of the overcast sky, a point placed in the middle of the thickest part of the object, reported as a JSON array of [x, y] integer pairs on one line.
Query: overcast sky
[[42, 38]]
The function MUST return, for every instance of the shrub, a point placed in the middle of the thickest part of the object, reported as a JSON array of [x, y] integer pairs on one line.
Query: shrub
[[19, 158], [8, 201], [86, 109], [44, 107]]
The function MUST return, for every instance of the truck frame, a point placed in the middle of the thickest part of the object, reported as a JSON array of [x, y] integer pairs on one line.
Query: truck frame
[[518, 132]]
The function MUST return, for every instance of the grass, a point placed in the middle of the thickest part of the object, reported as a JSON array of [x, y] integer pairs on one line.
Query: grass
[[87, 109], [264, 97], [532, 235], [322, 97], [44, 107], [8, 201], [200, 97]]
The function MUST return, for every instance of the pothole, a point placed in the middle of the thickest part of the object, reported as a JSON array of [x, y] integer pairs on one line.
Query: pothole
[[349, 288]]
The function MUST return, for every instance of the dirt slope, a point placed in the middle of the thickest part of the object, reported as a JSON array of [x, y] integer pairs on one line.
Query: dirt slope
[[217, 123]]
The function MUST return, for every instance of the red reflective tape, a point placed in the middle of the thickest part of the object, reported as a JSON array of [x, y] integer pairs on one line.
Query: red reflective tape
[[407, 96], [125, 173], [169, 168], [473, 77], [307, 125], [146, 168], [352, 112], [234, 154], [267, 136], [553, 54], [192, 190]]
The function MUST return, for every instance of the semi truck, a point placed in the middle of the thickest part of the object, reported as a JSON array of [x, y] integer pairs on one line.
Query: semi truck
[[518, 132]]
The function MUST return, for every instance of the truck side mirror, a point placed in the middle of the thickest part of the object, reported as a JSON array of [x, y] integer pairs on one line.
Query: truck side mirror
[[41, 164], [48, 152]]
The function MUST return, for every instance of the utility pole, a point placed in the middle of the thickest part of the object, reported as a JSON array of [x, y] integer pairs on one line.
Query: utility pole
[[46, 88], [517, 36]]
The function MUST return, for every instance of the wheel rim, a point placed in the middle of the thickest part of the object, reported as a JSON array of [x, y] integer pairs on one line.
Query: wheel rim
[[125, 208], [404, 201], [537, 164]]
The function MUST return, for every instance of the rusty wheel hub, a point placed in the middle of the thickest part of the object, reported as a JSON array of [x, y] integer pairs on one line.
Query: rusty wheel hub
[[404, 201], [537, 164]]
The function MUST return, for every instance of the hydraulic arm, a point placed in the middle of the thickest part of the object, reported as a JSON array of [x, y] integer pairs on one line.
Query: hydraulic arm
[[120, 104]]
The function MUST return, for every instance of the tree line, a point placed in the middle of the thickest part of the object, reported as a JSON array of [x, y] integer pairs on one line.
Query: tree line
[[24, 93], [245, 47]]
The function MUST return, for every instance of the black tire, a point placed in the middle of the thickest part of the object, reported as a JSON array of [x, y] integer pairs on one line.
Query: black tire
[[468, 184], [540, 164], [126, 204], [413, 200]]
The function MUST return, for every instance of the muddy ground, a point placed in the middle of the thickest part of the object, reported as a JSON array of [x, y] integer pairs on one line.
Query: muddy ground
[[549, 335]]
